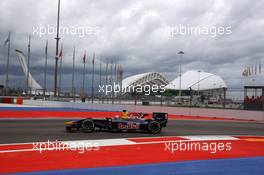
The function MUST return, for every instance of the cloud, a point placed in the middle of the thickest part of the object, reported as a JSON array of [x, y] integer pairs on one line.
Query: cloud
[[136, 34]]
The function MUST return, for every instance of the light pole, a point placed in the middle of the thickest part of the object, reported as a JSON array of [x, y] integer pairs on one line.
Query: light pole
[[199, 74], [60, 57], [73, 70], [181, 54], [28, 65], [84, 61], [45, 69], [93, 79], [7, 64], [100, 78], [57, 50], [199, 96]]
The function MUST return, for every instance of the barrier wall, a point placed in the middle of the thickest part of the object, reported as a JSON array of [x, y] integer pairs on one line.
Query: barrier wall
[[205, 112], [57, 104], [202, 112], [11, 100]]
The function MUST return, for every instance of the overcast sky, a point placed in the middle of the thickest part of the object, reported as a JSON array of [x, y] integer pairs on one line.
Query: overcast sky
[[138, 35]]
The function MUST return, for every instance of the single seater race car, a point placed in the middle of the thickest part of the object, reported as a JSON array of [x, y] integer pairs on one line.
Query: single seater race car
[[152, 125]]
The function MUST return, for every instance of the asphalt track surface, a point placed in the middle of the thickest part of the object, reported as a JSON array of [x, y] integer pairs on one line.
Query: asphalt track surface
[[41, 130]]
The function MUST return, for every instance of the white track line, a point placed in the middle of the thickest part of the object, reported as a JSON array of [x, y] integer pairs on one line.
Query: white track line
[[184, 137], [120, 142], [210, 137]]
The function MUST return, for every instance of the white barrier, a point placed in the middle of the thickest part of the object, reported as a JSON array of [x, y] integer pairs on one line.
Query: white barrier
[[204, 112], [58, 104]]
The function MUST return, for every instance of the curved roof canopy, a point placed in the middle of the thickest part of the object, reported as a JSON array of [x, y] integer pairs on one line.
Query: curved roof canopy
[[149, 78], [197, 80]]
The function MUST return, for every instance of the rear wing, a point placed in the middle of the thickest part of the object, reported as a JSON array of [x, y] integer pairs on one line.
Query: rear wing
[[159, 116]]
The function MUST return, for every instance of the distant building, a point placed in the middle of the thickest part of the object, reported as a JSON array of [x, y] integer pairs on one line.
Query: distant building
[[149, 78], [253, 99], [197, 81]]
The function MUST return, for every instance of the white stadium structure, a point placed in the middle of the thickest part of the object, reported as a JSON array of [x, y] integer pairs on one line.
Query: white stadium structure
[[190, 80], [149, 78], [198, 81]]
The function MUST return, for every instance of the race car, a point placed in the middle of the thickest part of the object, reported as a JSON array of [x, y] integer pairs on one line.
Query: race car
[[137, 123]]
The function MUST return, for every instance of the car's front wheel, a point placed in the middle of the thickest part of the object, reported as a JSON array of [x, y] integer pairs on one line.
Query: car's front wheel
[[154, 127], [88, 125]]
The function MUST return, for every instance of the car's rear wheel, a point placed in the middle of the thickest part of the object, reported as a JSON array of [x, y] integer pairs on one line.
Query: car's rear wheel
[[68, 129], [154, 127], [88, 125]]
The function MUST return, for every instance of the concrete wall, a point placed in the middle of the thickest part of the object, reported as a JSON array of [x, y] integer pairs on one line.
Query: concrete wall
[[105, 107], [205, 112], [222, 113]]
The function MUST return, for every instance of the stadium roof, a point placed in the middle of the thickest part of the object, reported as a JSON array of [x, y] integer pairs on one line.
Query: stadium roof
[[197, 80], [149, 78]]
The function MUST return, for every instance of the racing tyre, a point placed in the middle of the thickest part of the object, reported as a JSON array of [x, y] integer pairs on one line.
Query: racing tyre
[[154, 127], [68, 129], [88, 125]]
